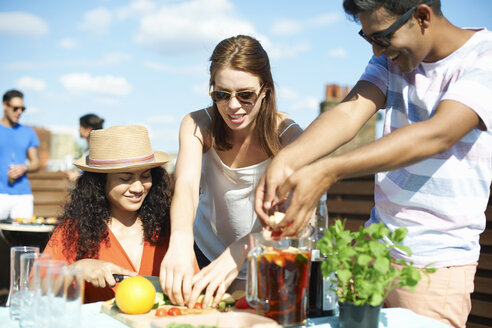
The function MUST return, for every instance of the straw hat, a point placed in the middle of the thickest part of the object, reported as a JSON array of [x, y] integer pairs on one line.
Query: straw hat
[[120, 148]]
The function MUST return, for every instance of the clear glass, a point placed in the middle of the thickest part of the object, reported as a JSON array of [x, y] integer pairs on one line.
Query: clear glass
[[26, 318], [46, 283], [13, 300], [66, 296]]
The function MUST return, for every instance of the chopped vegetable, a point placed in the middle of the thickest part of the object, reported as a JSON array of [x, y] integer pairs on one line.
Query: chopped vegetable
[[242, 303], [161, 312], [174, 311]]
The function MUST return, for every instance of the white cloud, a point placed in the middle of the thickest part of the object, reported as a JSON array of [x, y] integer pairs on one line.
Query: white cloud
[[182, 70], [287, 50], [337, 52], [190, 27], [22, 24], [85, 83], [68, 44], [30, 83], [97, 20], [287, 27], [137, 7]]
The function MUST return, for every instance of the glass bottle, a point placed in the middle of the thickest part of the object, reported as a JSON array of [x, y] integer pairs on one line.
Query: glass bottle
[[322, 299], [12, 164]]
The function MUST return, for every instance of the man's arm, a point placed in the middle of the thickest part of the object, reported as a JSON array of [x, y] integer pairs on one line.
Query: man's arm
[[407, 145], [34, 164], [329, 131]]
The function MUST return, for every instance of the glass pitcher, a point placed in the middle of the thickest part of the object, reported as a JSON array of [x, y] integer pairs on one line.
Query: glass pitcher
[[278, 276]]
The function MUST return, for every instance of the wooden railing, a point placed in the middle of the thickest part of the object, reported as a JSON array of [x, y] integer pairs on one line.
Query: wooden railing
[[353, 199], [50, 191]]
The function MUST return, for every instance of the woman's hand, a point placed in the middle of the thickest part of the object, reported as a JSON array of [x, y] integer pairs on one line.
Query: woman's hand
[[100, 273], [177, 269], [219, 275]]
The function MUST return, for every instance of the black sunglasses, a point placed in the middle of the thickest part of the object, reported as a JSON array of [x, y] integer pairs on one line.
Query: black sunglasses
[[381, 38], [16, 108], [244, 97]]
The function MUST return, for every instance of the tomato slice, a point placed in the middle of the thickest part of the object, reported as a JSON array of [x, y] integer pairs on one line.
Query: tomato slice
[[161, 312], [198, 305], [174, 312], [242, 303]]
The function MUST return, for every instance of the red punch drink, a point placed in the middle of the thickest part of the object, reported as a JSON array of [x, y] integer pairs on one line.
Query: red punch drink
[[283, 277]]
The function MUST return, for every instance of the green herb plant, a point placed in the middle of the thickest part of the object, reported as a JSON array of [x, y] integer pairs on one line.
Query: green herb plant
[[362, 262]]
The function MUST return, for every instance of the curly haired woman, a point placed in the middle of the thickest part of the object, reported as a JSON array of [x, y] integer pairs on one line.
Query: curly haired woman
[[117, 219]]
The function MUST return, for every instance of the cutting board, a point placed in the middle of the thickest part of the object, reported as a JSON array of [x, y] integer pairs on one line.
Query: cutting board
[[143, 320]]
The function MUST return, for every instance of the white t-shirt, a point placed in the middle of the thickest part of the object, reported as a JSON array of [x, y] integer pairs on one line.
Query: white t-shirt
[[442, 199]]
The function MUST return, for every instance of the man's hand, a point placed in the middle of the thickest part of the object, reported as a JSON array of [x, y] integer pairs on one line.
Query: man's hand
[[178, 268], [266, 194], [305, 186], [17, 171]]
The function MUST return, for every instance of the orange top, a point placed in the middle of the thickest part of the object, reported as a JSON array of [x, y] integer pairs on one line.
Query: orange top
[[113, 252]]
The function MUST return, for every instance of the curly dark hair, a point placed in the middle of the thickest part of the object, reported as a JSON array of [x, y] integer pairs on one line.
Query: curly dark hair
[[87, 214]]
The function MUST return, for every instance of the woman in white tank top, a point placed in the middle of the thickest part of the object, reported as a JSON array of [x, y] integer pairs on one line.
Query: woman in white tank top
[[224, 150]]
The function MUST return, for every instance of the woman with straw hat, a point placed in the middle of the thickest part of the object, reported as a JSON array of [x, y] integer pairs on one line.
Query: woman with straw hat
[[224, 150], [117, 219]]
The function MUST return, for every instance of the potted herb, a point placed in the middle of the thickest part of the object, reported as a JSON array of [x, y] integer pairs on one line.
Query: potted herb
[[362, 263]]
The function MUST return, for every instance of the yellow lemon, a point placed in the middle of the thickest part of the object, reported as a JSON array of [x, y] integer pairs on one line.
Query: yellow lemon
[[135, 295]]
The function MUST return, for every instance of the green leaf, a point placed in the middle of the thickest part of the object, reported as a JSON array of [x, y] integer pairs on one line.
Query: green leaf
[[382, 265], [377, 248], [406, 249], [399, 234], [363, 259], [346, 253], [344, 275]]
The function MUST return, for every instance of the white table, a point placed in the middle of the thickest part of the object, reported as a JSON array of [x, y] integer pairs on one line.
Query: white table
[[388, 318]]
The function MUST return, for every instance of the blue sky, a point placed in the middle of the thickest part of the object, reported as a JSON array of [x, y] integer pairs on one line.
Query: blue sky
[[146, 61]]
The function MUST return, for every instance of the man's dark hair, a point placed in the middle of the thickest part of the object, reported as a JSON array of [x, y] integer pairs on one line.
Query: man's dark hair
[[91, 121], [12, 94], [394, 7]]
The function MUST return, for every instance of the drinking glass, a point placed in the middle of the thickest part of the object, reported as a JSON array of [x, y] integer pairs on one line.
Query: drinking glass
[[13, 299], [66, 291], [278, 276], [45, 272], [73, 296], [27, 287]]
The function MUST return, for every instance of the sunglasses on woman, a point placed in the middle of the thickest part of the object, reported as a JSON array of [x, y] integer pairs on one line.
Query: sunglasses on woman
[[244, 97]]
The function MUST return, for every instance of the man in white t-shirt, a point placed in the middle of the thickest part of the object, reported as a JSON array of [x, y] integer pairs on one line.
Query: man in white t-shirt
[[434, 162]]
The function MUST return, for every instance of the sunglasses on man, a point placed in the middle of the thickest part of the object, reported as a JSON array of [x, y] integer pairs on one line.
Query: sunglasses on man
[[381, 38], [16, 108], [244, 97]]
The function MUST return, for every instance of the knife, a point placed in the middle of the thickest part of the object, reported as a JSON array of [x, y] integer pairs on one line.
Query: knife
[[153, 279]]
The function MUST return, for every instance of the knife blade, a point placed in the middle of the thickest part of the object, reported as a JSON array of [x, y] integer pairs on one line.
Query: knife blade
[[153, 279]]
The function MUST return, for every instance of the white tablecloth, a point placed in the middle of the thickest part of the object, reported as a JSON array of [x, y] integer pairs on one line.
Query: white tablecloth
[[388, 318]]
